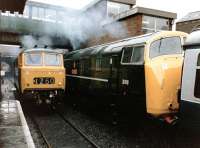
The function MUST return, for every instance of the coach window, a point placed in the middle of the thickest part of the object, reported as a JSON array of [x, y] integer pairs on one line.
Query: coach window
[[198, 61], [197, 80]]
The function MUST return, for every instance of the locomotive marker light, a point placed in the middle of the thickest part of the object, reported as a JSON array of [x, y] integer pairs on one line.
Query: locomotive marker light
[[3, 73]]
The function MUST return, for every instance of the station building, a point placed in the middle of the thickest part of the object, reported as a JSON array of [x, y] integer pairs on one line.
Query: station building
[[136, 20], [38, 19], [189, 22], [37, 16]]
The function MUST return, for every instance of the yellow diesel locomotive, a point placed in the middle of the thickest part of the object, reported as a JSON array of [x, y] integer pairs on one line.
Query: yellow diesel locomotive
[[40, 73], [144, 69]]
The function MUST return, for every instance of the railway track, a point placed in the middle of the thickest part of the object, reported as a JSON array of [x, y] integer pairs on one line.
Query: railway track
[[41, 133], [78, 130], [48, 133]]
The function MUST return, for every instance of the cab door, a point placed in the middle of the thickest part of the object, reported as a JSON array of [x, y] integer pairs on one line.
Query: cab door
[[132, 71], [163, 75]]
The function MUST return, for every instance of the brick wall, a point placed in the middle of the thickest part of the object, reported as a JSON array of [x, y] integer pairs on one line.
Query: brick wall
[[132, 26], [187, 26]]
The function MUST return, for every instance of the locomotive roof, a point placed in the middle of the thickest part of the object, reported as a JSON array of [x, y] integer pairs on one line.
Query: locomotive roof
[[113, 47], [193, 39], [40, 50]]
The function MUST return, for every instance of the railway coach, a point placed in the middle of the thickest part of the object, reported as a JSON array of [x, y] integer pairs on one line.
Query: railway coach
[[190, 88], [145, 69], [40, 73]]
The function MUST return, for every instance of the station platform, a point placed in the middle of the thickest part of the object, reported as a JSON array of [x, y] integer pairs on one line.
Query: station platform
[[14, 131]]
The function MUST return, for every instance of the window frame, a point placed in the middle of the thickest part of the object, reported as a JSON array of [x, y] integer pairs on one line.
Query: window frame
[[155, 23], [34, 65], [133, 63], [161, 44], [118, 7], [60, 61]]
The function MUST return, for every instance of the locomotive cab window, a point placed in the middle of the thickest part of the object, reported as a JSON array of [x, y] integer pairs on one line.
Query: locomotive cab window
[[133, 55], [33, 59], [52, 59], [165, 46]]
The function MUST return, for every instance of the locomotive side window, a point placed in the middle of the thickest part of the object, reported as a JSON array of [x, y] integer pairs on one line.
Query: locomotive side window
[[127, 54], [166, 46], [154, 49], [33, 59], [52, 59], [133, 55], [138, 55]]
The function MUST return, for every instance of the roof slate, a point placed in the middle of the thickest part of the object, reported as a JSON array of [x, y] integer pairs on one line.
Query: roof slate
[[190, 16]]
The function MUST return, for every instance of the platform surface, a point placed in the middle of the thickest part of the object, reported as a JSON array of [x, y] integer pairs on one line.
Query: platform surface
[[14, 131]]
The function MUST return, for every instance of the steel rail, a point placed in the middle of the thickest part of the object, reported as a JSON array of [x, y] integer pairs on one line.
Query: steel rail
[[43, 136], [78, 130]]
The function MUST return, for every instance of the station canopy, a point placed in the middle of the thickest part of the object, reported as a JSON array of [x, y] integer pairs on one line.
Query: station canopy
[[12, 5]]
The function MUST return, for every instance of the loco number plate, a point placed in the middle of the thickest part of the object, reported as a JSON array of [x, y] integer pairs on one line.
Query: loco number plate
[[44, 80]]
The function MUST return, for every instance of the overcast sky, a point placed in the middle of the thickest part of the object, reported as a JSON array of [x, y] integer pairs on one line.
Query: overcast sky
[[181, 7]]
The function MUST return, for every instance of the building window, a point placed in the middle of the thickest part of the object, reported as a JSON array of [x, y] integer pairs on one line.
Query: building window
[[26, 12], [114, 8], [41, 13], [35, 13], [152, 24], [6, 13], [50, 15], [60, 16]]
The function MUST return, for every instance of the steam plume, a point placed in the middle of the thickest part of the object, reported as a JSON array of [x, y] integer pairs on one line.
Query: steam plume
[[79, 28]]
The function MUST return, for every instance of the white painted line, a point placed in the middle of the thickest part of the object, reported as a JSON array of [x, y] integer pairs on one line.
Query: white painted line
[[88, 78], [26, 130], [192, 101]]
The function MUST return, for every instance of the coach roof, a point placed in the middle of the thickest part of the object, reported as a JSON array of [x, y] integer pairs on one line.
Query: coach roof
[[193, 39]]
